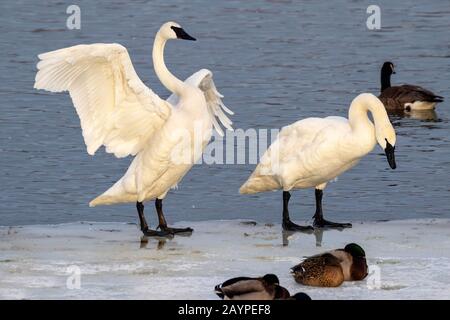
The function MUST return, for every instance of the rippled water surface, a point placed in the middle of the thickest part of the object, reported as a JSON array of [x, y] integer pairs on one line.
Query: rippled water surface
[[275, 62]]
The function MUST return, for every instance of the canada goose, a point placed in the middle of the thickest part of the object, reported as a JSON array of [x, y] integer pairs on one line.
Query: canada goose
[[119, 111], [311, 152], [331, 268], [405, 97]]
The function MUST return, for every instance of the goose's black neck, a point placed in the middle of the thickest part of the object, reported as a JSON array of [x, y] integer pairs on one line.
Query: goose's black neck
[[385, 78]]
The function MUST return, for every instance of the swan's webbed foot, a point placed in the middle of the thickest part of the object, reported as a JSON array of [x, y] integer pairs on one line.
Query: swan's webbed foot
[[319, 221], [172, 231], [322, 223], [157, 233], [144, 226], [288, 225], [163, 224]]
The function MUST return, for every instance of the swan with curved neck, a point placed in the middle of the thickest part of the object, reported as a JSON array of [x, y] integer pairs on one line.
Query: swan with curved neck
[[311, 152], [382, 132], [169, 30], [118, 111]]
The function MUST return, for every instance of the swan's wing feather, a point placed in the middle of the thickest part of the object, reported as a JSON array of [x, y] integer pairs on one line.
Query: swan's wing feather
[[203, 80], [115, 107], [297, 138]]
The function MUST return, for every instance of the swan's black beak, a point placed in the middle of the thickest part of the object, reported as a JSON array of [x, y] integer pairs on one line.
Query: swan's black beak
[[181, 34], [390, 155]]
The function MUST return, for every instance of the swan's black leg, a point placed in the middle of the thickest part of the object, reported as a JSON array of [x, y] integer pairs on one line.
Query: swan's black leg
[[319, 221], [162, 221], [144, 226], [288, 225]]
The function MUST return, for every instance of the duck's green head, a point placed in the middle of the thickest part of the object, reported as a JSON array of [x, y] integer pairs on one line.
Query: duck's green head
[[355, 250], [271, 279]]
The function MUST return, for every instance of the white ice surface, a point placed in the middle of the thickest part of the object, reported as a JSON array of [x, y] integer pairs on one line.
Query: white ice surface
[[413, 257]]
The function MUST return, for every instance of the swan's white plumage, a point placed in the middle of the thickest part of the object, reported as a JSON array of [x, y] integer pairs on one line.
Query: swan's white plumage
[[115, 108], [313, 151], [300, 156], [118, 111], [152, 173], [203, 80]]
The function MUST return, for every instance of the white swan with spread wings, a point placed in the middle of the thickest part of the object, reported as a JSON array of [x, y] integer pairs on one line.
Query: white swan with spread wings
[[117, 110]]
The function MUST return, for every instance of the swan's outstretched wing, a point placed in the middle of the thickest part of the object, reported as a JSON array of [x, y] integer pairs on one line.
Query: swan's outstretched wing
[[203, 80], [115, 107]]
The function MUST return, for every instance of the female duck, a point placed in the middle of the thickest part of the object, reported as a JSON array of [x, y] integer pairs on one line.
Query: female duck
[[330, 269], [313, 151]]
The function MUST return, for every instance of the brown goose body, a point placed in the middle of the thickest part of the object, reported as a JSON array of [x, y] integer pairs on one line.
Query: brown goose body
[[331, 268], [245, 288], [408, 97], [405, 97]]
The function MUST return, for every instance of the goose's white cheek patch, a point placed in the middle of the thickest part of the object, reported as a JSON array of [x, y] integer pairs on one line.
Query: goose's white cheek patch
[[420, 105]]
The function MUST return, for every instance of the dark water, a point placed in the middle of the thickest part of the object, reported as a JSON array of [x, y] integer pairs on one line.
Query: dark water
[[275, 61]]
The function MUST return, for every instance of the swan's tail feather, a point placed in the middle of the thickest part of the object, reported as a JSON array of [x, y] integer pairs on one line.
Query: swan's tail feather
[[259, 184], [115, 194], [246, 188], [101, 200]]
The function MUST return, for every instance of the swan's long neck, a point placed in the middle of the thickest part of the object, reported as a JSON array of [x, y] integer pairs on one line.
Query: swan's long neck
[[172, 83], [385, 79], [363, 130]]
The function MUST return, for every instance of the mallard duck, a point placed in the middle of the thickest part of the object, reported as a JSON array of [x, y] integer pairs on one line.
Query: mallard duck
[[245, 288], [405, 97], [331, 268]]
